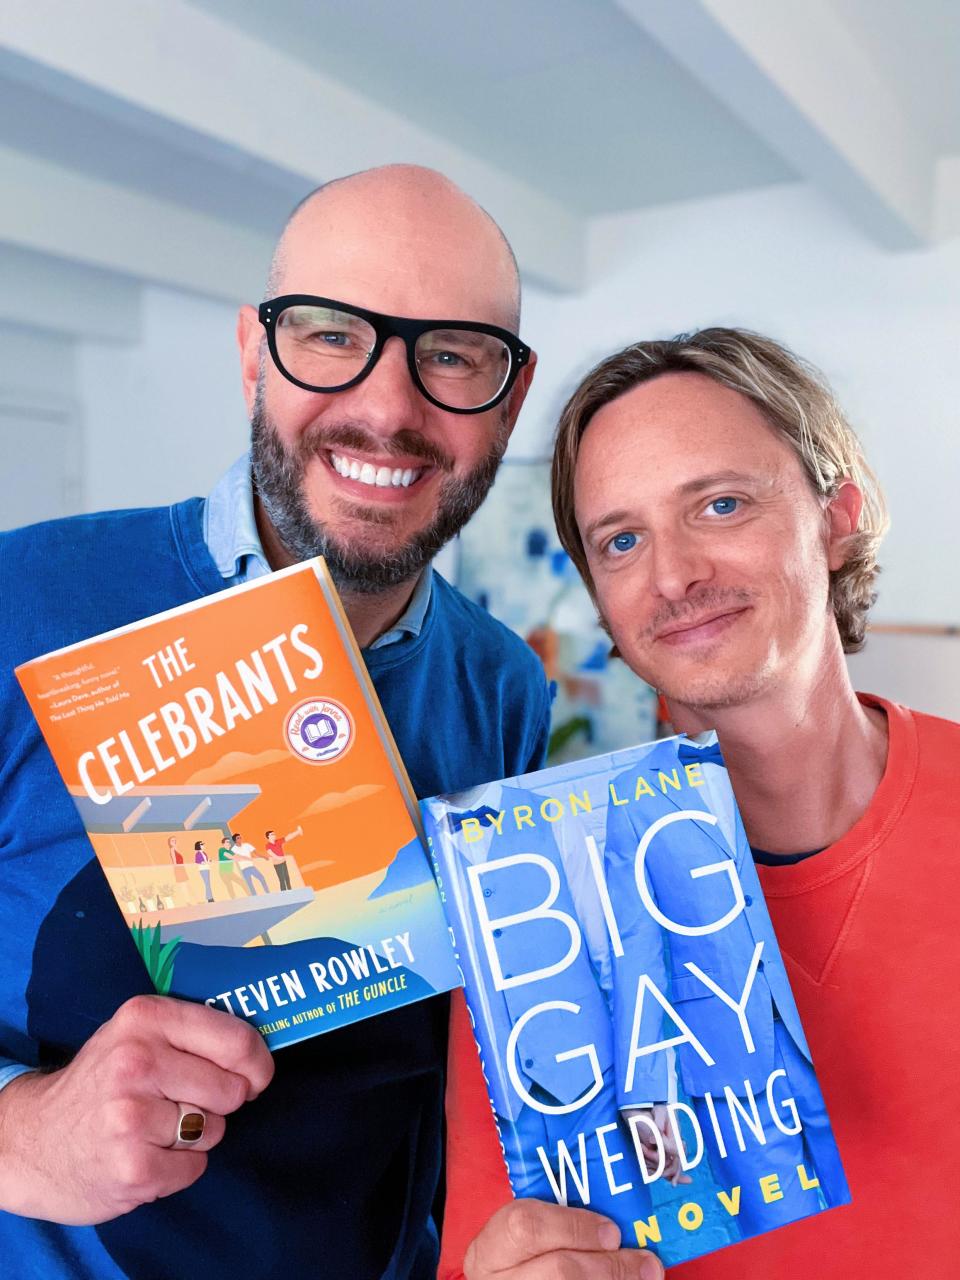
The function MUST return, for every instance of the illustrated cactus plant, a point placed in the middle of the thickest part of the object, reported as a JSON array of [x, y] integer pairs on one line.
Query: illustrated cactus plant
[[158, 956]]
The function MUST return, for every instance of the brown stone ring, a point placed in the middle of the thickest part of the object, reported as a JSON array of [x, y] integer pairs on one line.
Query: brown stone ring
[[190, 1126]]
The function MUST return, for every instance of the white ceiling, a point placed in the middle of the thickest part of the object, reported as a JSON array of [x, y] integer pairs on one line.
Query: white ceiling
[[915, 46], [570, 95], [166, 140], [87, 133]]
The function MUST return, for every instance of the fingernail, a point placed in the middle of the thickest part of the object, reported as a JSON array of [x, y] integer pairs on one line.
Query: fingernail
[[609, 1236]]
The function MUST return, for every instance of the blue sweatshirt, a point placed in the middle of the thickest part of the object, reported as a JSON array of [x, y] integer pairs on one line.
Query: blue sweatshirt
[[333, 1171]]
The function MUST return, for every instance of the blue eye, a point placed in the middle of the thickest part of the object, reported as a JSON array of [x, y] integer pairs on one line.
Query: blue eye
[[724, 506], [622, 542]]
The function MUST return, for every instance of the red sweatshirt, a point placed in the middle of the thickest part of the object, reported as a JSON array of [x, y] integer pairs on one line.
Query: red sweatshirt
[[869, 929]]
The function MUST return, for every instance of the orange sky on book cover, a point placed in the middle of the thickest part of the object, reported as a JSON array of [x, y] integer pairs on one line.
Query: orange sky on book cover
[[254, 751]]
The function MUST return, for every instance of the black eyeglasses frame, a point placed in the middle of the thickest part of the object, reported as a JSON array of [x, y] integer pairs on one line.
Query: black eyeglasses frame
[[384, 326]]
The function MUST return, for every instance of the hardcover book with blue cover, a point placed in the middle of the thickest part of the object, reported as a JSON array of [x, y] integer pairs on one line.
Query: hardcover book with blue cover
[[636, 1028]]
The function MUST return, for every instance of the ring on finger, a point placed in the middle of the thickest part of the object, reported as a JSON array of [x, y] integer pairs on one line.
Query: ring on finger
[[191, 1122]]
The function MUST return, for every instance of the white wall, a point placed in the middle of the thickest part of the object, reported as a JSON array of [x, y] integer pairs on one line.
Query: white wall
[[165, 416], [918, 670], [34, 363], [883, 326], [41, 442]]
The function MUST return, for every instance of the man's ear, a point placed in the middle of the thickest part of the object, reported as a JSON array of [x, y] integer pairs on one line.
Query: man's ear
[[249, 336], [843, 520], [518, 392]]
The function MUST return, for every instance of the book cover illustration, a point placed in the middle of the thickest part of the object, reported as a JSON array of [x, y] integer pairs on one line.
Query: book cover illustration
[[241, 789], [637, 1032]]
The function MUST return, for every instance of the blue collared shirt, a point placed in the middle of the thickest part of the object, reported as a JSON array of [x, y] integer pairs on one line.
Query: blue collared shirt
[[230, 532]]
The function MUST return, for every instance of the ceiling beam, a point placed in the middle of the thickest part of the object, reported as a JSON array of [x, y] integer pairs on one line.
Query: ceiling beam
[[189, 71], [800, 79], [51, 210]]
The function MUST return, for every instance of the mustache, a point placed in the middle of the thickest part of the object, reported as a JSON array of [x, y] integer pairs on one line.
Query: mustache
[[357, 437], [708, 600]]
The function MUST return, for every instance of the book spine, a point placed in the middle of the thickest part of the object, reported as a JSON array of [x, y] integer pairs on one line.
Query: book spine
[[451, 884]]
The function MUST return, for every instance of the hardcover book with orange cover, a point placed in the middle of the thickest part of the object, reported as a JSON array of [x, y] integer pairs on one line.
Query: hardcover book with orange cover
[[245, 798]]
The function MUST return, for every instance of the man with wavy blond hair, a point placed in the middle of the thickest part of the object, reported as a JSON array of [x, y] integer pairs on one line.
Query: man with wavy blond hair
[[722, 514]]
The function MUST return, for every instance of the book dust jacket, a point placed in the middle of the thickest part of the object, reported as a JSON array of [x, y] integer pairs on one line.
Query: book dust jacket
[[242, 791], [637, 1032]]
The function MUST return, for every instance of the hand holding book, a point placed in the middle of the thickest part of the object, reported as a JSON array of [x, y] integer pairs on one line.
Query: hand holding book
[[530, 1240], [93, 1140]]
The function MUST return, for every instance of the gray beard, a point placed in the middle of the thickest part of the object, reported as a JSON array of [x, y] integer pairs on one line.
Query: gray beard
[[278, 478]]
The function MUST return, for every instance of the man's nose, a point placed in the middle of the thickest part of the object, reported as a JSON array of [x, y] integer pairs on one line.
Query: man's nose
[[680, 563], [386, 399]]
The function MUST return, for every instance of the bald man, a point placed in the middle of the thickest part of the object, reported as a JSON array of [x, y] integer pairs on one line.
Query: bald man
[[383, 375]]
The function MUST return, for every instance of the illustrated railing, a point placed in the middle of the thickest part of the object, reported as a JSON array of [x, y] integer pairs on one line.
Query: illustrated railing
[[165, 886]]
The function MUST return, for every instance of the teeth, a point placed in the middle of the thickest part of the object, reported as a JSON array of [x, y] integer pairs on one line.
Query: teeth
[[367, 473]]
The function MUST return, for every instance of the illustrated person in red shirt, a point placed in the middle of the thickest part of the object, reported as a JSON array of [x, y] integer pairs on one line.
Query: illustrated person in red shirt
[[176, 857], [276, 854], [722, 514]]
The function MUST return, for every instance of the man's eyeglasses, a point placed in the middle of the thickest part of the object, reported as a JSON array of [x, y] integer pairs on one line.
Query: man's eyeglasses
[[323, 345]]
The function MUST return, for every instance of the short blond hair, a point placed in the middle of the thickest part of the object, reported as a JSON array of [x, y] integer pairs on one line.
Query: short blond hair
[[796, 402]]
